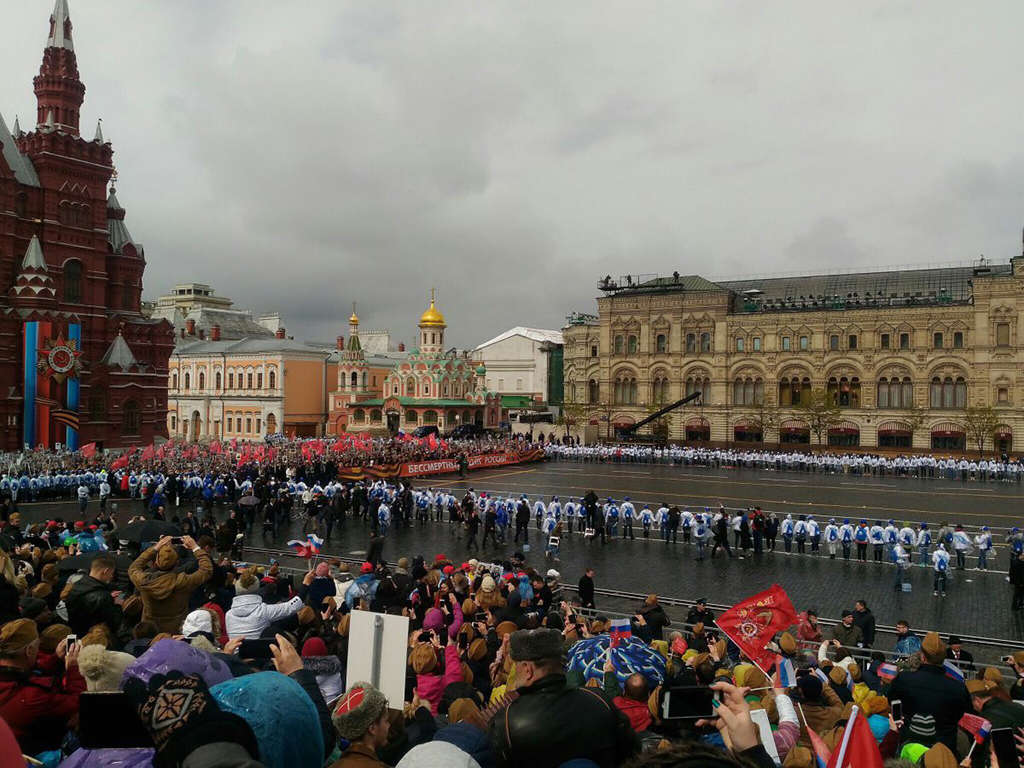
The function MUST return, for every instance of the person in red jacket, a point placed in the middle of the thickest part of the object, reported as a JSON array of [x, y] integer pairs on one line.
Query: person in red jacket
[[633, 701], [36, 707]]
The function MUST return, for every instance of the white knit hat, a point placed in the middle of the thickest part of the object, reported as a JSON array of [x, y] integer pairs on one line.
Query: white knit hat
[[199, 620]]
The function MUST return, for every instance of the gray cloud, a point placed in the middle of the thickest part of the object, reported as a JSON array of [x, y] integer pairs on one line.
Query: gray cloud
[[299, 156]]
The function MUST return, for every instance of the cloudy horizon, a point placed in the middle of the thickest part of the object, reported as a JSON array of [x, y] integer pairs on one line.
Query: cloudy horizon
[[298, 157]]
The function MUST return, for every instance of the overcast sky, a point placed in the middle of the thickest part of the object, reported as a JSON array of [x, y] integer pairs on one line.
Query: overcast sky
[[300, 155]]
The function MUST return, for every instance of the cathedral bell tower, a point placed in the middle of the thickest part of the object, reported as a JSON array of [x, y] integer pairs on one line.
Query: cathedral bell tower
[[432, 325]]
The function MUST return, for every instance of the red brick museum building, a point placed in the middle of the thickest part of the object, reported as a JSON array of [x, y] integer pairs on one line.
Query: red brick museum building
[[79, 363]]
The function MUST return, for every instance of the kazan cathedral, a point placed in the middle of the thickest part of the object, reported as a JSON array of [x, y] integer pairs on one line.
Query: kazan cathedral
[[429, 387]]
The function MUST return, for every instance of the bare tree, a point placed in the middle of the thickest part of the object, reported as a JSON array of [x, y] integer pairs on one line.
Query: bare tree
[[763, 416], [821, 412], [572, 415], [980, 422]]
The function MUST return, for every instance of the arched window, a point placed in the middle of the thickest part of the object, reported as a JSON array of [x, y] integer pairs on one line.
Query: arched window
[[691, 343], [619, 345], [410, 388], [273, 383], [259, 380], [174, 379], [748, 391], [410, 417], [231, 379], [844, 391], [625, 390], [593, 391], [705, 342], [97, 404], [430, 417], [188, 381], [660, 389], [948, 392], [906, 392], [202, 381], [358, 416], [882, 393], [21, 205], [364, 379], [73, 282], [699, 384], [85, 216], [217, 380], [661, 344], [131, 418], [375, 416], [354, 380], [631, 345], [833, 343]]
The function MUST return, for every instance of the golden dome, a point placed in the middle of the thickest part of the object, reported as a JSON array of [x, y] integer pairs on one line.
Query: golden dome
[[432, 318], [354, 320]]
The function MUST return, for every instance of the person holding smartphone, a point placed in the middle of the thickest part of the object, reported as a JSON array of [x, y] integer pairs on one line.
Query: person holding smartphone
[[164, 591], [38, 708], [1002, 714]]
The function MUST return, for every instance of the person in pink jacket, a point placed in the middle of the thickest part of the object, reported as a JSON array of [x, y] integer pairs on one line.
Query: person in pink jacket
[[431, 681]]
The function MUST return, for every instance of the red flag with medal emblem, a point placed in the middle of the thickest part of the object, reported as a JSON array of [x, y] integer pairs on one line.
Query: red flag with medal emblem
[[753, 622]]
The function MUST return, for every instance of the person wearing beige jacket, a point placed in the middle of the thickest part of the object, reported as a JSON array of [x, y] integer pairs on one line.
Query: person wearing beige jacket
[[164, 592]]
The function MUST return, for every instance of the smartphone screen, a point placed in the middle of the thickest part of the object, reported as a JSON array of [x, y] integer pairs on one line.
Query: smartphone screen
[[1005, 747], [481, 616], [97, 710], [257, 649], [690, 702], [463, 642], [424, 637], [897, 710]]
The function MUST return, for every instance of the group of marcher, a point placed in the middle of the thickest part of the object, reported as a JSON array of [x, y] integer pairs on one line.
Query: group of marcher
[[1002, 468], [239, 666]]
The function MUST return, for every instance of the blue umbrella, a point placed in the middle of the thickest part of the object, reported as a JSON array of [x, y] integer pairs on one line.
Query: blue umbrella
[[631, 655]]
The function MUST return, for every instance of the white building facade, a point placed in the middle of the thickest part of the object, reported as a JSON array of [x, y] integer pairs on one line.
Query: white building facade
[[518, 362]]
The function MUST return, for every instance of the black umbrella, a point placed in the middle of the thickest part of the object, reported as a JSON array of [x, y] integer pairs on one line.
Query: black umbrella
[[248, 501], [83, 561], [147, 530]]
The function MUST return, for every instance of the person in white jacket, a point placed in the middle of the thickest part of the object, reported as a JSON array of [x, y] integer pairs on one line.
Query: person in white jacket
[[984, 542], [249, 615]]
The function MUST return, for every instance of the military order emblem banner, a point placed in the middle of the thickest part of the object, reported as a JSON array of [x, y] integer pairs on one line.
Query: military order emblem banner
[[753, 622]]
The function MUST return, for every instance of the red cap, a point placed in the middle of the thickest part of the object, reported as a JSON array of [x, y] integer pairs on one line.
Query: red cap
[[80, 525], [366, 568], [508, 577], [94, 527], [449, 569], [464, 567], [52, 524], [438, 558]]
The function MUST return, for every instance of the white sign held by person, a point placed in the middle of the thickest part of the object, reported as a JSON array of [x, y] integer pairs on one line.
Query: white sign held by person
[[377, 646]]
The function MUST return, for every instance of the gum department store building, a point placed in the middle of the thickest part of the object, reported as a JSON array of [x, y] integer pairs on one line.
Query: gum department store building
[[880, 343]]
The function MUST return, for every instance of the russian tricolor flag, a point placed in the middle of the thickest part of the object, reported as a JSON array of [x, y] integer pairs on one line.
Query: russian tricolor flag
[[785, 675], [315, 542], [887, 672], [953, 671], [301, 548], [619, 630], [977, 726]]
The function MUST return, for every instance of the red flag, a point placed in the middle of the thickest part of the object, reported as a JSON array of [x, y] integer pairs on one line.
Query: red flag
[[120, 463], [148, 452], [88, 450], [215, 446], [977, 726], [858, 748], [752, 623], [818, 746], [432, 441]]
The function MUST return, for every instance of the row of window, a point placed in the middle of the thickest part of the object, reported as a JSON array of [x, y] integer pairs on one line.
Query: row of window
[[410, 388], [895, 393], [629, 344], [244, 381]]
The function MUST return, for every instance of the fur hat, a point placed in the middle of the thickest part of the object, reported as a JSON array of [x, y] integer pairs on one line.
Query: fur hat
[[535, 645], [103, 669], [787, 643], [487, 584], [166, 558], [247, 584], [357, 710], [423, 659], [306, 615]]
